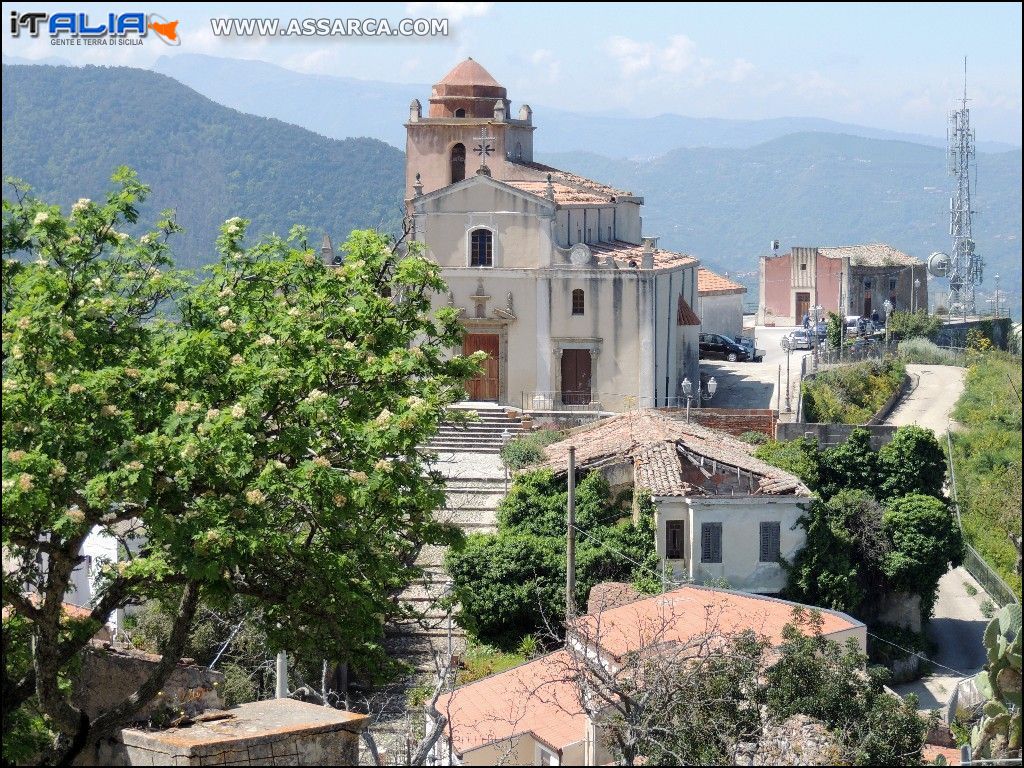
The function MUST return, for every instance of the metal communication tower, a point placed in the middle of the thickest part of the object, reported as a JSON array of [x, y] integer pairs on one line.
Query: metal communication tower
[[965, 266]]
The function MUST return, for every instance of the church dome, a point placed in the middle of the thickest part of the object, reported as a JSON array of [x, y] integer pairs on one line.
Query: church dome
[[467, 91]]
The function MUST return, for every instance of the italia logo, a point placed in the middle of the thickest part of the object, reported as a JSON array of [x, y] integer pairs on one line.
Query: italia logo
[[120, 26]]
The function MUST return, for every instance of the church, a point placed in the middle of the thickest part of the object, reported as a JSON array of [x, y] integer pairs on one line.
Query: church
[[550, 272]]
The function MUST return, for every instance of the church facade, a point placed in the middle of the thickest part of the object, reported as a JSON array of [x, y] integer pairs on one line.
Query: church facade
[[550, 271]]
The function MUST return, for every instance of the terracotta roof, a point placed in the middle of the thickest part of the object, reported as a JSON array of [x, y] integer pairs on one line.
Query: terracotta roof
[[532, 698], [624, 253], [712, 284], [469, 72], [685, 314], [931, 751], [541, 697], [692, 612], [563, 194], [529, 171], [872, 255], [671, 457]]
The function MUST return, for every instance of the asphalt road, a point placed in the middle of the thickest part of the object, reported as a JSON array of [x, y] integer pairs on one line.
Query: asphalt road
[[754, 385], [930, 403]]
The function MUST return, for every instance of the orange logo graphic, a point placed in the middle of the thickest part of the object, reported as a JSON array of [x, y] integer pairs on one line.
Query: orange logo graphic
[[168, 30]]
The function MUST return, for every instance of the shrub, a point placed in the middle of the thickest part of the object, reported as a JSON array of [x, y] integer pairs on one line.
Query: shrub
[[852, 394], [925, 352], [528, 449], [755, 438], [909, 325]]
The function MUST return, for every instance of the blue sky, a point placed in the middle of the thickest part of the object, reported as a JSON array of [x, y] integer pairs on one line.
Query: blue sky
[[895, 66]]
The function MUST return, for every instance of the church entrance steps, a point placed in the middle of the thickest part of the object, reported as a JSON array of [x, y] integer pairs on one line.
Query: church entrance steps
[[491, 426]]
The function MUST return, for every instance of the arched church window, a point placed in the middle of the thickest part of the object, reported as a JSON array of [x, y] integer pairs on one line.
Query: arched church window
[[481, 253], [458, 162], [460, 112], [577, 301], [519, 151]]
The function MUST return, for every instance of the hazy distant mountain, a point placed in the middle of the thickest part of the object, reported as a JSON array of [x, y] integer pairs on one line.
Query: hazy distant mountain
[[340, 107], [65, 129], [725, 205]]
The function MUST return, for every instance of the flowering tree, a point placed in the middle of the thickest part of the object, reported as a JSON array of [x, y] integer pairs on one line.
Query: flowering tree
[[264, 440]]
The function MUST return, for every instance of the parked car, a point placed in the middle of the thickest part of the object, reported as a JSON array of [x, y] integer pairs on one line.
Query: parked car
[[757, 355], [820, 330], [798, 339], [714, 345]]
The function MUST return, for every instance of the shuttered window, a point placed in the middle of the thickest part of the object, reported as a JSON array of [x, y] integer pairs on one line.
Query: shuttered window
[[770, 542], [674, 539], [711, 542]]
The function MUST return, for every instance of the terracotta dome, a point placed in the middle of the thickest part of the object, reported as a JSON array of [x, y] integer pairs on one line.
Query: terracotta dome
[[467, 91], [469, 72]]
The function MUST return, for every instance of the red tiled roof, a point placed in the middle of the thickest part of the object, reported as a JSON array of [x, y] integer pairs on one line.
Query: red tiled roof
[[685, 314], [712, 284], [532, 698], [469, 72], [690, 613], [658, 445], [563, 193], [932, 751]]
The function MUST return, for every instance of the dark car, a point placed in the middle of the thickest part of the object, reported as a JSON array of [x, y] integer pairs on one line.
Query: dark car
[[716, 346]]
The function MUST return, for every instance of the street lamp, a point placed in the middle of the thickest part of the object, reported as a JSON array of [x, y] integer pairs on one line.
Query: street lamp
[[887, 306], [913, 296], [710, 389], [505, 437], [688, 391]]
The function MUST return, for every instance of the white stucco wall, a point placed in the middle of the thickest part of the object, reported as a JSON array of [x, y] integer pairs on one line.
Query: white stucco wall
[[740, 517]]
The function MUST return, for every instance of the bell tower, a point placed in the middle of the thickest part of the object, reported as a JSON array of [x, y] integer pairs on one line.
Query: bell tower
[[441, 148]]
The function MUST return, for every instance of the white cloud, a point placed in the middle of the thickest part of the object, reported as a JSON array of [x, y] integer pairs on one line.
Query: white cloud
[[677, 59], [548, 67], [456, 12]]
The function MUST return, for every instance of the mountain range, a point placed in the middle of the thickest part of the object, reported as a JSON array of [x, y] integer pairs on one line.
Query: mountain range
[[65, 129]]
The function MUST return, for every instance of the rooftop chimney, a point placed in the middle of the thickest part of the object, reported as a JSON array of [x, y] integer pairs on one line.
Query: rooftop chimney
[[650, 245]]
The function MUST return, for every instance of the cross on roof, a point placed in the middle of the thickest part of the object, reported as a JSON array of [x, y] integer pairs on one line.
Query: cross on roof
[[484, 148]]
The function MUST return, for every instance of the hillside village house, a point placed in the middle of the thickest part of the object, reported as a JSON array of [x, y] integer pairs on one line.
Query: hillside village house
[[719, 304], [720, 512], [848, 280], [550, 271], [534, 714]]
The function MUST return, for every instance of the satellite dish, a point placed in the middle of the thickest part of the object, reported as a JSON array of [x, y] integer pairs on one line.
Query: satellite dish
[[938, 264]]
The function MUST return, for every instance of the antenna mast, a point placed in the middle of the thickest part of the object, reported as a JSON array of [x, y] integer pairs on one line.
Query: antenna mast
[[965, 266]]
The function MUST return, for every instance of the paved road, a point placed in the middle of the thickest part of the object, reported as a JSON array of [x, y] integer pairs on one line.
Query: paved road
[[755, 385], [931, 401], [958, 624]]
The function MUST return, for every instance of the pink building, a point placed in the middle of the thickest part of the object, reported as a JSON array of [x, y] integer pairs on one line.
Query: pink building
[[848, 280]]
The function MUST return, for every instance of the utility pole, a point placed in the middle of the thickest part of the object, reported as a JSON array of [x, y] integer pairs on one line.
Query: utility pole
[[570, 542]]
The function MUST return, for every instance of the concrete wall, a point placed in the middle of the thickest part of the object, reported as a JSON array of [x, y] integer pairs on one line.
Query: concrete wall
[[721, 314], [520, 750], [830, 435], [740, 518]]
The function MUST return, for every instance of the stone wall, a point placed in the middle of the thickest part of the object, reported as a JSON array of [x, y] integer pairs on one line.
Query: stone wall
[[109, 675], [273, 732], [799, 740]]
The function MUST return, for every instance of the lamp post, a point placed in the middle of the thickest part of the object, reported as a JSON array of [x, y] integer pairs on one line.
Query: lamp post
[[789, 349], [913, 296], [997, 295], [887, 306], [688, 391], [712, 387]]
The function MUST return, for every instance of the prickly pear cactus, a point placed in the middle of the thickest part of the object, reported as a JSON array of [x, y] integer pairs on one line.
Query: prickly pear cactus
[[998, 734]]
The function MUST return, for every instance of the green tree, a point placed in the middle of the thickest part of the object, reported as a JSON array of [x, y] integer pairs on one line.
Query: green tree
[[841, 563], [925, 541], [800, 457], [512, 583], [853, 464], [832, 683], [909, 325], [912, 462], [266, 441]]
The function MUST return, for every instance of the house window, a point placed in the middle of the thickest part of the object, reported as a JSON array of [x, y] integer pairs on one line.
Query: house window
[[771, 551], [803, 266], [480, 248], [674, 540], [545, 756], [892, 283], [867, 285], [577, 301], [579, 235], [460, 112], [711, 542], [458, 162]]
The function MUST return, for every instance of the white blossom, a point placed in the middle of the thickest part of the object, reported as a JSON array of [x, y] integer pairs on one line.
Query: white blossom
[[237, 411], [229, 326], [82, 204], [255, 496], [41, 218], [265, 340], [383, 417], [223, 310]]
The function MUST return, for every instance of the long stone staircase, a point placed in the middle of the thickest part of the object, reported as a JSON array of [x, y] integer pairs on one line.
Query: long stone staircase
[[483, 435]]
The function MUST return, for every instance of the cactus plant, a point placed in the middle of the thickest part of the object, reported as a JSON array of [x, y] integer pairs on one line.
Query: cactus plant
[[998, 733]]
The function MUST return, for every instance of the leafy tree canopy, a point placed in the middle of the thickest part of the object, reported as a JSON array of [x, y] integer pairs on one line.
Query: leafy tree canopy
[[264, 442]]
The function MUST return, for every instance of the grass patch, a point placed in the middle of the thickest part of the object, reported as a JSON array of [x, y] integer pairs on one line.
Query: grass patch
[[987, 458], [482, 660], [852, 394]]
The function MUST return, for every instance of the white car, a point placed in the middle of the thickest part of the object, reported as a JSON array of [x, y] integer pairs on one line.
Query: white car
[[798, 339]]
